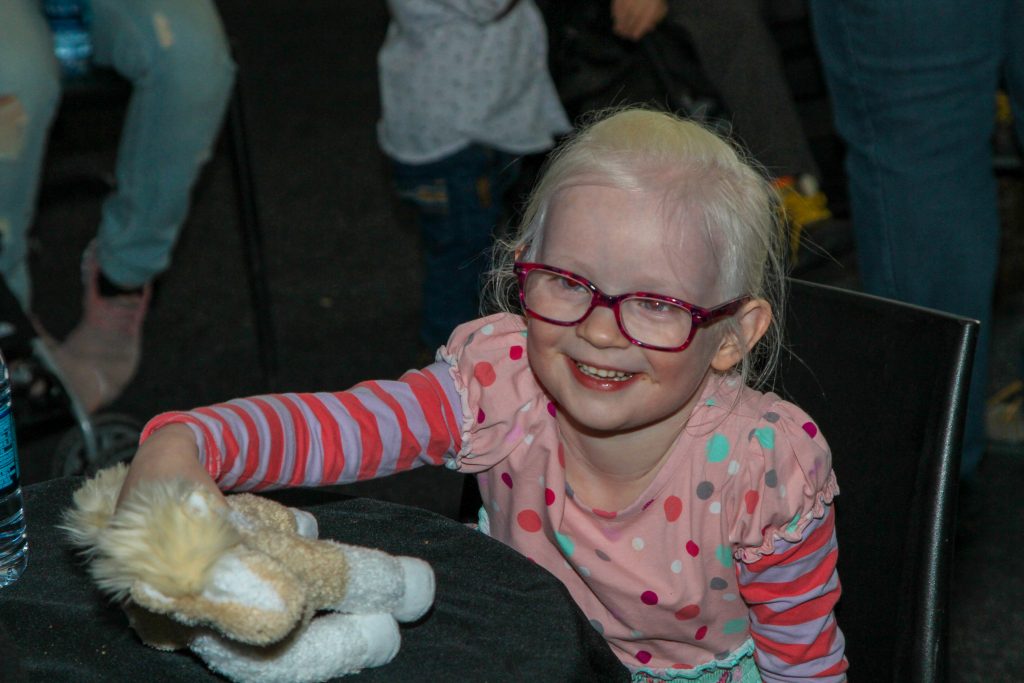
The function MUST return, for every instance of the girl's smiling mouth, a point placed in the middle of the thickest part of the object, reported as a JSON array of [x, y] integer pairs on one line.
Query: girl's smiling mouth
[[601, 373], [602, 379]]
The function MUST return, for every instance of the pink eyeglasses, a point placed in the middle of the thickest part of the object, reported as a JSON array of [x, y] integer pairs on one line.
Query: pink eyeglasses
[[653, 321]]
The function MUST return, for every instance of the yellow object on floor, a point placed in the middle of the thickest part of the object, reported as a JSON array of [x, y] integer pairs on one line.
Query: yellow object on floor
[[1004, 416], [1004, 114], [802, 204]]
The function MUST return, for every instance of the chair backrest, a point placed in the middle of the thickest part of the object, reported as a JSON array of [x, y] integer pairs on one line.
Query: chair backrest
[[887, 384]]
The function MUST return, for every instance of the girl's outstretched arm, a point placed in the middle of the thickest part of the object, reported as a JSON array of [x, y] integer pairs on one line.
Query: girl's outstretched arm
[[311, 439], [791, 594]]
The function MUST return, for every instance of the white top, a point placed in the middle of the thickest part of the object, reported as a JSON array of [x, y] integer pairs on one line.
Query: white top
[[452, 75]]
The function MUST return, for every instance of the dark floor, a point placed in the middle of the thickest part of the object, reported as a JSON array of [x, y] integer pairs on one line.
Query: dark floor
[[344, 274]]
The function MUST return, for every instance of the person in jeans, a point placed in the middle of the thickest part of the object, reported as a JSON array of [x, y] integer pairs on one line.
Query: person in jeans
[[913, 88], [176, 56], [465, 91]]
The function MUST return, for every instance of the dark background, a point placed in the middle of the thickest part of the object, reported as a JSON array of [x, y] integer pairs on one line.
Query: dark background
[[344, 272]]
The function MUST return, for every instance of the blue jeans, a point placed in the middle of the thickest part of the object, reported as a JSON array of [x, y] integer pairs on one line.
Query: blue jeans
[[177, 58], [913, 86], [459, 201]]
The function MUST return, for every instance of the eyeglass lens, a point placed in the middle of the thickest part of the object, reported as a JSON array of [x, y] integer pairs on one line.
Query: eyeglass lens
[[560, 298]]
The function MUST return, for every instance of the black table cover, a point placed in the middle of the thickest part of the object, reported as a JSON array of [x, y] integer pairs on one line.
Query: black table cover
[[497, 616]]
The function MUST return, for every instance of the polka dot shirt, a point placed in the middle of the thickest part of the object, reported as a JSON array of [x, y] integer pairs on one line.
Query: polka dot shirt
[[657, 578]]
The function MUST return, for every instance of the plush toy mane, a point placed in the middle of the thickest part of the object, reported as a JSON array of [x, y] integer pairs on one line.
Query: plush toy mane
[[165, 534]]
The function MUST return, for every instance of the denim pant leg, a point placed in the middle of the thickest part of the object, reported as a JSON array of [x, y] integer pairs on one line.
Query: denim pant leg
[[913, 87], [459, 203], [177, 58], [29, 94]]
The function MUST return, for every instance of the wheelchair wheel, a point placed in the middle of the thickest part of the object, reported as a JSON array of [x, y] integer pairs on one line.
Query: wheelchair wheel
[[117, 438]]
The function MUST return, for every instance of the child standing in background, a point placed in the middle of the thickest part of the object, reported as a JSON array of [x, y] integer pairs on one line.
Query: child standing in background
[[610, 422], [465, 91]]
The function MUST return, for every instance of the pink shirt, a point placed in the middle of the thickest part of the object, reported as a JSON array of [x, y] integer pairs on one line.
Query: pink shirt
[[657, 578]]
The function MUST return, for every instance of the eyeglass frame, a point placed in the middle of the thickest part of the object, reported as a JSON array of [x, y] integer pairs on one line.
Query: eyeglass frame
[[699, 316]]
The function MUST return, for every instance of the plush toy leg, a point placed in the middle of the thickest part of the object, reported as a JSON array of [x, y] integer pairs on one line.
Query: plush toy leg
[[330, 645], [378, 582]]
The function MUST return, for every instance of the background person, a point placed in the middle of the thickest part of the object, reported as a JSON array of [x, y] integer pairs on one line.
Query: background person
[[176, 56]]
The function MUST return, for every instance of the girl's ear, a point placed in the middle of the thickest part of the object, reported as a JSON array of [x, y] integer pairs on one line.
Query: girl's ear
[[753, 319]]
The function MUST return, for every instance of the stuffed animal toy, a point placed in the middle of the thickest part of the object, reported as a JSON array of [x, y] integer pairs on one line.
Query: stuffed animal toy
[[247, 586]]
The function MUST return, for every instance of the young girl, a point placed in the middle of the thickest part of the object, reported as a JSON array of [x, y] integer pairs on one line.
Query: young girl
[[609, 424]]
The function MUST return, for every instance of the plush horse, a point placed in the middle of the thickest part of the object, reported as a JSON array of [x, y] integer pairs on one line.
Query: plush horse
[[247, 586]]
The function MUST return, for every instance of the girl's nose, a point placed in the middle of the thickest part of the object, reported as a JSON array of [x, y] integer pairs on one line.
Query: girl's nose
[[601, 330]]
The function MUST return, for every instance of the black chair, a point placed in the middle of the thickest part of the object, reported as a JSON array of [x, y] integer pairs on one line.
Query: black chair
[[101, 83], [887, 383]]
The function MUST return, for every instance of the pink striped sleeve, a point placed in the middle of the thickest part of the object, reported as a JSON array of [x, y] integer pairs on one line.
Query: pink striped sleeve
[[275, 435], [409, 448], [373, 429], [370, 446], [791, 593]]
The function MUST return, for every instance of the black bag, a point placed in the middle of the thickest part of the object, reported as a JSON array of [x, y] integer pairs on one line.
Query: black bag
[[593, 68]]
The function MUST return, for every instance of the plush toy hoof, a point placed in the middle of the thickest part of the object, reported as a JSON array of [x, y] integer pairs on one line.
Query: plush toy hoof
[[419, 589], [382, 637]]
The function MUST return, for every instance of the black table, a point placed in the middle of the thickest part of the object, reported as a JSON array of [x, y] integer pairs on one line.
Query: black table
[[496, 617]]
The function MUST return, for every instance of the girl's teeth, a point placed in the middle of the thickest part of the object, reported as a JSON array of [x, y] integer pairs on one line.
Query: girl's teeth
[[614, 375]]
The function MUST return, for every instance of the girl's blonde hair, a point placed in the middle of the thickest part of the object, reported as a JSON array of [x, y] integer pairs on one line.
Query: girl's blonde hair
[[700, 175]]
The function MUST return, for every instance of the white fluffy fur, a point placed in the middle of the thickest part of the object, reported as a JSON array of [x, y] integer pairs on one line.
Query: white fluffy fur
[[329, 646]]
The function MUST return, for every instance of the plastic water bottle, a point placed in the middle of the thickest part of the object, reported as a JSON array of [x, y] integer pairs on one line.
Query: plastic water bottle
[[69, 21], [13, 541]]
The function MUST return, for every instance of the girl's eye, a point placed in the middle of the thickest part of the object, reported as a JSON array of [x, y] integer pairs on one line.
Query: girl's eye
[[654, 306], [572, 285], [657, 310]]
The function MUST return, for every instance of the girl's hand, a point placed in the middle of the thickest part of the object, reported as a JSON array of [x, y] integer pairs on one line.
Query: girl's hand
[[633, 19], [169, 453]]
